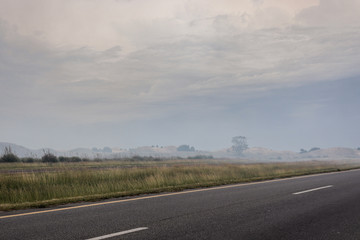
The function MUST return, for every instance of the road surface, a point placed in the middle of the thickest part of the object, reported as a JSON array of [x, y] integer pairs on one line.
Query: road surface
[[324, 206]]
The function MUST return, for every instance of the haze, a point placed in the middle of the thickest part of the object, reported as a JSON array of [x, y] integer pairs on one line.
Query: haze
[[283, 73]]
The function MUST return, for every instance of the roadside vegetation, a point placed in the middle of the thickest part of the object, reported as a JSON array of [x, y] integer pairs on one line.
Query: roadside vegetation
[[55, 180]]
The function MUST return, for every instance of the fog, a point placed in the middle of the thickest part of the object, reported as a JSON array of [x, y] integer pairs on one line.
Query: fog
[[132, 73]]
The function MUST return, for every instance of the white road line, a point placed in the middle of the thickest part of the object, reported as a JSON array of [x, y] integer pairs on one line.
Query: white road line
[[314, 189], [118, 233]]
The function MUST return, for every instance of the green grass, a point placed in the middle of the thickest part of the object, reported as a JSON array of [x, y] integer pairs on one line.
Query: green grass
[[72, 182], [102, 164]]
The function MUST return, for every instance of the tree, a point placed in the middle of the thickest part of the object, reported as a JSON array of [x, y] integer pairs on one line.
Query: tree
[[314, 149], [239, 144], [49, 157], [94, 149], [303, 151], [185, 148]]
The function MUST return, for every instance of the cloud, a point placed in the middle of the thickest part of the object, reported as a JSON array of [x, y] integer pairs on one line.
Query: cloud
[[332, 13], [135, 24], [90, 62], [229, 64]]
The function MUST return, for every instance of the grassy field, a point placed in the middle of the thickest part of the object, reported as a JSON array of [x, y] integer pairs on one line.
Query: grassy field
[[26, 185]]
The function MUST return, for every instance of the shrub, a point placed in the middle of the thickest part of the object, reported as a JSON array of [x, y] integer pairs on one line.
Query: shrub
[[314, 149], [201, 157], [70, 159], [303, 151], [29, 160], [9, 156], [49, 157]]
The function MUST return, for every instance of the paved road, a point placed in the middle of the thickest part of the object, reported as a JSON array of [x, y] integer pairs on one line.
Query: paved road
[[325, 206]]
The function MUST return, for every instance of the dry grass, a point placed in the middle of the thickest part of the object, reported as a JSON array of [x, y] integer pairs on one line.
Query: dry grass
[[82, 182]]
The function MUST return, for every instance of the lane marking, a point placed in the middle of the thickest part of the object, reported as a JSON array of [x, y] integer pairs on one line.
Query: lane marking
[[314, 189], [138, 198], [119, 233], [170, 194]]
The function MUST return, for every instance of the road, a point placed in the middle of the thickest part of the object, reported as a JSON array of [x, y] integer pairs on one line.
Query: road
[[324, 206]]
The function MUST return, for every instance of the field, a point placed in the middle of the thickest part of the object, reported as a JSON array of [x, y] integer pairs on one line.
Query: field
[[28, 185]]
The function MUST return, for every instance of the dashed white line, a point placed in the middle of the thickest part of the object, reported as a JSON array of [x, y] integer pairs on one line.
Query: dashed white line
[[118, 233], [314, 189]]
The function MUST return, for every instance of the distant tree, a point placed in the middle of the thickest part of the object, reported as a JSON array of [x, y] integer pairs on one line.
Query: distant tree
[[314, 149], [94, 149], [9, 156], [239, 144], [303, 151], [49, 157], [69, 159], [75, 159], [30, 160], [358, 148], [185, 148]]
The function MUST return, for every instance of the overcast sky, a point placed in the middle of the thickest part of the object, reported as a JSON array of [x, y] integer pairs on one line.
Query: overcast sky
[[128, 73]]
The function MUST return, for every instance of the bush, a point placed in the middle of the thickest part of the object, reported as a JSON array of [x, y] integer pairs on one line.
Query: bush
[[49, 157], [70, 159], [29, 160], [201, 157], [314, 149], [9, 156], [303, 151]]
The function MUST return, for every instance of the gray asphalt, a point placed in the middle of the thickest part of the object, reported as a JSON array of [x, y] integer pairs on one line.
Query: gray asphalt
[[267, 210]]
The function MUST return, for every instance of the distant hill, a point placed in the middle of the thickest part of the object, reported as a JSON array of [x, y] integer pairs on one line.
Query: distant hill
[[334, 153], [264, 154], [322, 154], [20, 151], [255, 153]]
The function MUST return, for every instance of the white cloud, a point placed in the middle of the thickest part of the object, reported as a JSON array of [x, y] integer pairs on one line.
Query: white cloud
[[230, 60], [332, 13], [117, 61], [136, 24]]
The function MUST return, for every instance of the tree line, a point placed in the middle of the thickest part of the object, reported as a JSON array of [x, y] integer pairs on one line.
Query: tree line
[[49, 157]]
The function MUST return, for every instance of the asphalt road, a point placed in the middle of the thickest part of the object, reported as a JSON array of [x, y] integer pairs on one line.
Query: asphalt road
[[325, 206]]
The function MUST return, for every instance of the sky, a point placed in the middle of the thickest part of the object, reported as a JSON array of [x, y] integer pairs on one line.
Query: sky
[[128, 73]]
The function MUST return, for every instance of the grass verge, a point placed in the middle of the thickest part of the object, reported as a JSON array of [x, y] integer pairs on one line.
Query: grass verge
[[76, 182]]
